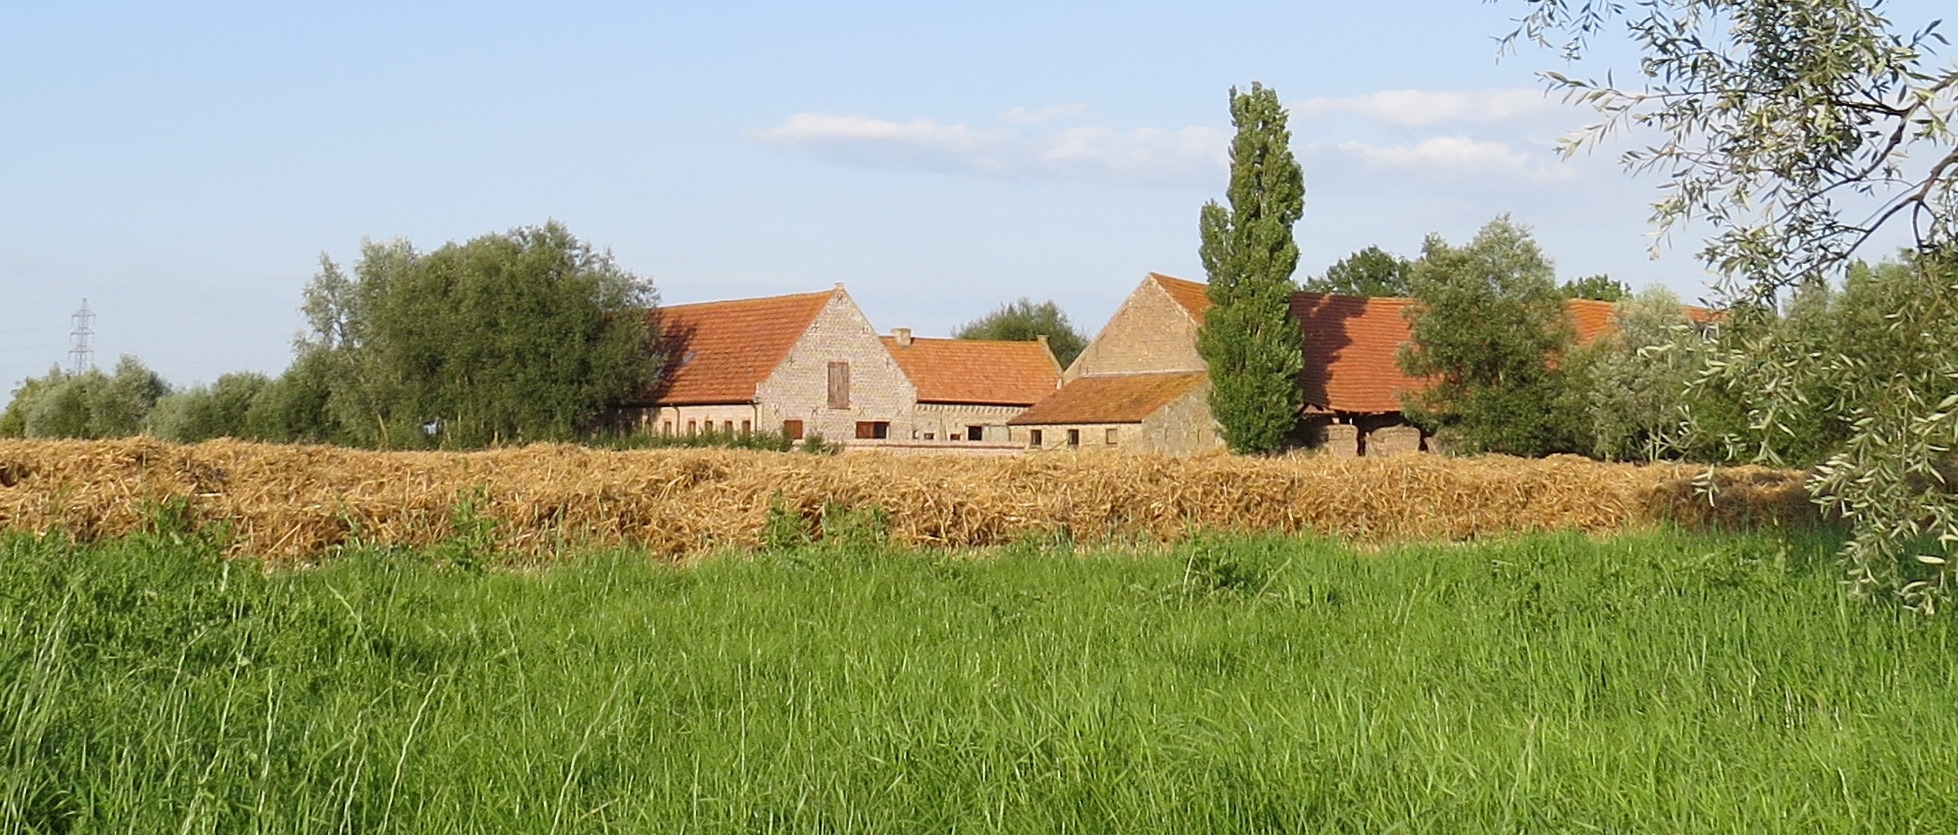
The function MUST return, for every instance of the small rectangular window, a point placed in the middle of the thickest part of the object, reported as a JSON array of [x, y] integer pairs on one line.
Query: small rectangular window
[[1111, 436], [839, 385], [747, 428], [1033, 437], [873, 429], [929, 436], [727, 427], [693, 427], [666, 429], [975, 433], [1073, 437], [793, 429]]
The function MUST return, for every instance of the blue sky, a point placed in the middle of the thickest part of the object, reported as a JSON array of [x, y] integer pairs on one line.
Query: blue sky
[[183, 166]]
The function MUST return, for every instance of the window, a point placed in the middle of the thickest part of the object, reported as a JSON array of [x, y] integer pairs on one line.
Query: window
[[929, 436], [747, 427], [666, 429], [793, 429], [727, 427], [693, 427], [1033, 438], [1073, 437], [839, 385], [873, 429], [974, 433], [1111, 436]]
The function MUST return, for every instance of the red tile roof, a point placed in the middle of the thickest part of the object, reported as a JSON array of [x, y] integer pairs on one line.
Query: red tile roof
[[1352, 349], [1115, 398], [1191, 295], [1352, 344], [977, 371], [717, 352]]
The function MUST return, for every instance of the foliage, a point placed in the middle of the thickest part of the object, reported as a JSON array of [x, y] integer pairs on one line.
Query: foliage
[[220, 410], [1778, 121], [1601, 288], [1024, 321], [86, 405], [1638, 377], [522, 336], [1798, 130], [1249, 339], [295, 407], [1643, 684], [13, 421], [1490, 329], [1369, 272]]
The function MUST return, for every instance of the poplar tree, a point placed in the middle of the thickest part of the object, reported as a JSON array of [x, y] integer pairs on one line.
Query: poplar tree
[[1249, 339]]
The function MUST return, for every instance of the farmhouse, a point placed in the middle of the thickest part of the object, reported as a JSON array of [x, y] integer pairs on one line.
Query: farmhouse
[[1142, 385], [811, 364], [967, 389], [801, 364]]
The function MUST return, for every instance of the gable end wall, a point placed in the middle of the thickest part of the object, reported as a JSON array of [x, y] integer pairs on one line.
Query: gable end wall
[[1149, 332], [798, 389]]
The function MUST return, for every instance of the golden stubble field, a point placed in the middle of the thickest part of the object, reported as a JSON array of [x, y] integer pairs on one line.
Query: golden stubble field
[[301, 502]]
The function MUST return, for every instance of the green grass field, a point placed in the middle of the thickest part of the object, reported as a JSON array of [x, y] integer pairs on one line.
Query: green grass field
[[1658, 683]]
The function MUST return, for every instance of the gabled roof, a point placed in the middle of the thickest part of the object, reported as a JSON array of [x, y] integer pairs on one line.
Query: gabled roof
[[977, 371], [1352, 349], [717, 352], [1113, 398], [1192, 296], [1590, 318]]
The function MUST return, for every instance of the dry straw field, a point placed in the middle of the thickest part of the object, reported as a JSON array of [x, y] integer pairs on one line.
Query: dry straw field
[[301, 502]]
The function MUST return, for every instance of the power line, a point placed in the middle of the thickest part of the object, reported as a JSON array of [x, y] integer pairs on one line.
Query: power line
[[81, 358]]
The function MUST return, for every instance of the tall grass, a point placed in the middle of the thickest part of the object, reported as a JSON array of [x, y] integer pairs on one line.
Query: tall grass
[[1655, 683]]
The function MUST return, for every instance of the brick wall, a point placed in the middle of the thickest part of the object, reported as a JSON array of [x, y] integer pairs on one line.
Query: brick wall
[[1184, 426], [943, 420], [1149, 332], [674, 420], [798, 389]]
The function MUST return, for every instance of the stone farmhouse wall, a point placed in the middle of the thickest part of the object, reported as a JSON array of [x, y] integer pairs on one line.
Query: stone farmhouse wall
[[798, 388], [1149, 332], [690, 420], [953, 422], [1182, 427]]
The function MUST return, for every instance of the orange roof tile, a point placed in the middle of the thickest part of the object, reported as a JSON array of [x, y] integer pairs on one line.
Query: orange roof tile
[[977, 370], [1590, 318], [1352, 349], [1194, 296], [1115, 398], [717, 352]]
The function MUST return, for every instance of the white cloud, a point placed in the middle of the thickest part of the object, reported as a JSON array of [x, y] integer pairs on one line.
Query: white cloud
[[1073, 112], [1458, 154], [1190, 155], [1426, 108]]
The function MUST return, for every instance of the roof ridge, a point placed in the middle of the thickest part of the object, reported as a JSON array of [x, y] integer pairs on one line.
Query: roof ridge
[[782, 297]]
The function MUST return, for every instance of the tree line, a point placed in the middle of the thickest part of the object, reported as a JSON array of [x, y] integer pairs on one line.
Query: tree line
[[515, 337]]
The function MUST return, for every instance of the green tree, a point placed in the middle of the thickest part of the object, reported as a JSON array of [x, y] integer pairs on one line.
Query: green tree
[[201, 413], [1024, 321], [522, 336], [1638, 377], [295, 407], [1369, 272], [1249, 339], [13, 421], [1797, 130], [91, 404], [1489, 331], [1596, 288]]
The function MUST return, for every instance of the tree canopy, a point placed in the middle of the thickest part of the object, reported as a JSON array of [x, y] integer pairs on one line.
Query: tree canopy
[[1249, 339], [1797, 130], [1369, 272], [526, 335], [1025, 321], [1489, 330]]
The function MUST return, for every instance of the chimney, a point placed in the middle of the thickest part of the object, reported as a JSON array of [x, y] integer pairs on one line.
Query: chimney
[[1042, 339], [902, 337]]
